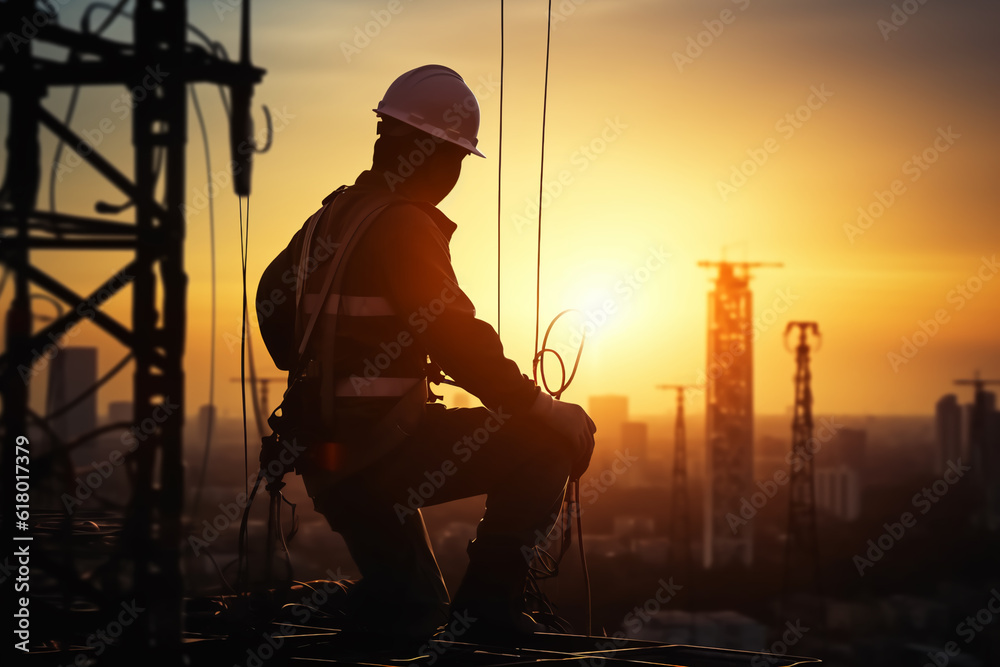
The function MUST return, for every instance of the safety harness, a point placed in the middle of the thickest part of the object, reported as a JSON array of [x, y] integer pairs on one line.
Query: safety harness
[[314, 373]]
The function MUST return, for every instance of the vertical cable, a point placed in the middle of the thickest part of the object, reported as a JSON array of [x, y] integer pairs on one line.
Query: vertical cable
[[541, 181], [499, 166], [211, 244], [575, 493], [244, 245], [244, 567]]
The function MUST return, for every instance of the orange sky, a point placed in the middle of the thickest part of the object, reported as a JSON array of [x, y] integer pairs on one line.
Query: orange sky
[[664, 133]]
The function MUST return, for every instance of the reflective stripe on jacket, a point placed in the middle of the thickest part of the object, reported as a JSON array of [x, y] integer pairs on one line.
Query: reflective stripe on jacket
[[399, 302]]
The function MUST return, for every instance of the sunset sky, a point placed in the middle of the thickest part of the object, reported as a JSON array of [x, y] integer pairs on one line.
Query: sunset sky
[[691, 130]]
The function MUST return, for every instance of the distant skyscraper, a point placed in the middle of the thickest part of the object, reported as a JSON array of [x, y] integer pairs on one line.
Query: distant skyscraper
[[984, 443], [729, 413], [71, 372], [119, 412], [846, 448], [991, 462], [948, 429], [979, 436], [635, 437], [984, 448], [609, 413], [635, 442], [838, 491]]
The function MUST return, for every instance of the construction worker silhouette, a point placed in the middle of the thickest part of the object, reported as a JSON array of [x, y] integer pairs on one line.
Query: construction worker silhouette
[[364, 306]]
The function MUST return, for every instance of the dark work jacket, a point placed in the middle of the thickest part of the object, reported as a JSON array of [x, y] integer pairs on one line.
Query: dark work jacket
[[407, 263]]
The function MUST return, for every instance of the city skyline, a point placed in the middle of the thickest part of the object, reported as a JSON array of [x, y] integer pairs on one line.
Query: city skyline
[[773, 223], [631, 220]]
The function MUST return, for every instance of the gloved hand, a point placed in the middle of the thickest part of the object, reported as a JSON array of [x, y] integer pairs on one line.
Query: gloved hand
[[572, 421]]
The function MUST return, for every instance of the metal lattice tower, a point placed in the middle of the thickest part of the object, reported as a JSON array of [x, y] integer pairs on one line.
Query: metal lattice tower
[[680, 524], [679, 557], [156, 67], [801, 573], [729, 412]]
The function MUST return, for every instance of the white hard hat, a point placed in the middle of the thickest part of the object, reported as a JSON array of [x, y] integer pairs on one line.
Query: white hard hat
[[436, 100]]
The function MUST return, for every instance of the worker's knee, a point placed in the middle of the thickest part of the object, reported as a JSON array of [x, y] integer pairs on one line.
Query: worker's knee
[[550, 448]]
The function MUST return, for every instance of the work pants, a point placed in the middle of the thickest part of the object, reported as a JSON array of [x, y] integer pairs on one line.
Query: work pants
[[521, 465]]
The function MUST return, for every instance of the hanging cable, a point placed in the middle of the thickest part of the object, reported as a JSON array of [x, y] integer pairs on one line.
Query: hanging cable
[[66, 407], [538, 363], [500, 166], [258, 416], [215, 48], [549, 566], [211, 364], [541, 180], [53, 171], [74, 95], [583, 556], [243, 545], [244, 250], [273, 486]]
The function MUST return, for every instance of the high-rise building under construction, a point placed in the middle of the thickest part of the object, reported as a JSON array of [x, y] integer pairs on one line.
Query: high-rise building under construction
[[729, 415]]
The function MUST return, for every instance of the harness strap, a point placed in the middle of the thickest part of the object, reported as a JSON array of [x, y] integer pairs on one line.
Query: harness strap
[[355, 306], [374, 387], [339, 459], [336, 271], [335, 458], [349, 240]]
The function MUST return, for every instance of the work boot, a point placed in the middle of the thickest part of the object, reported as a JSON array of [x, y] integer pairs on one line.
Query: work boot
[[492, 593]]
